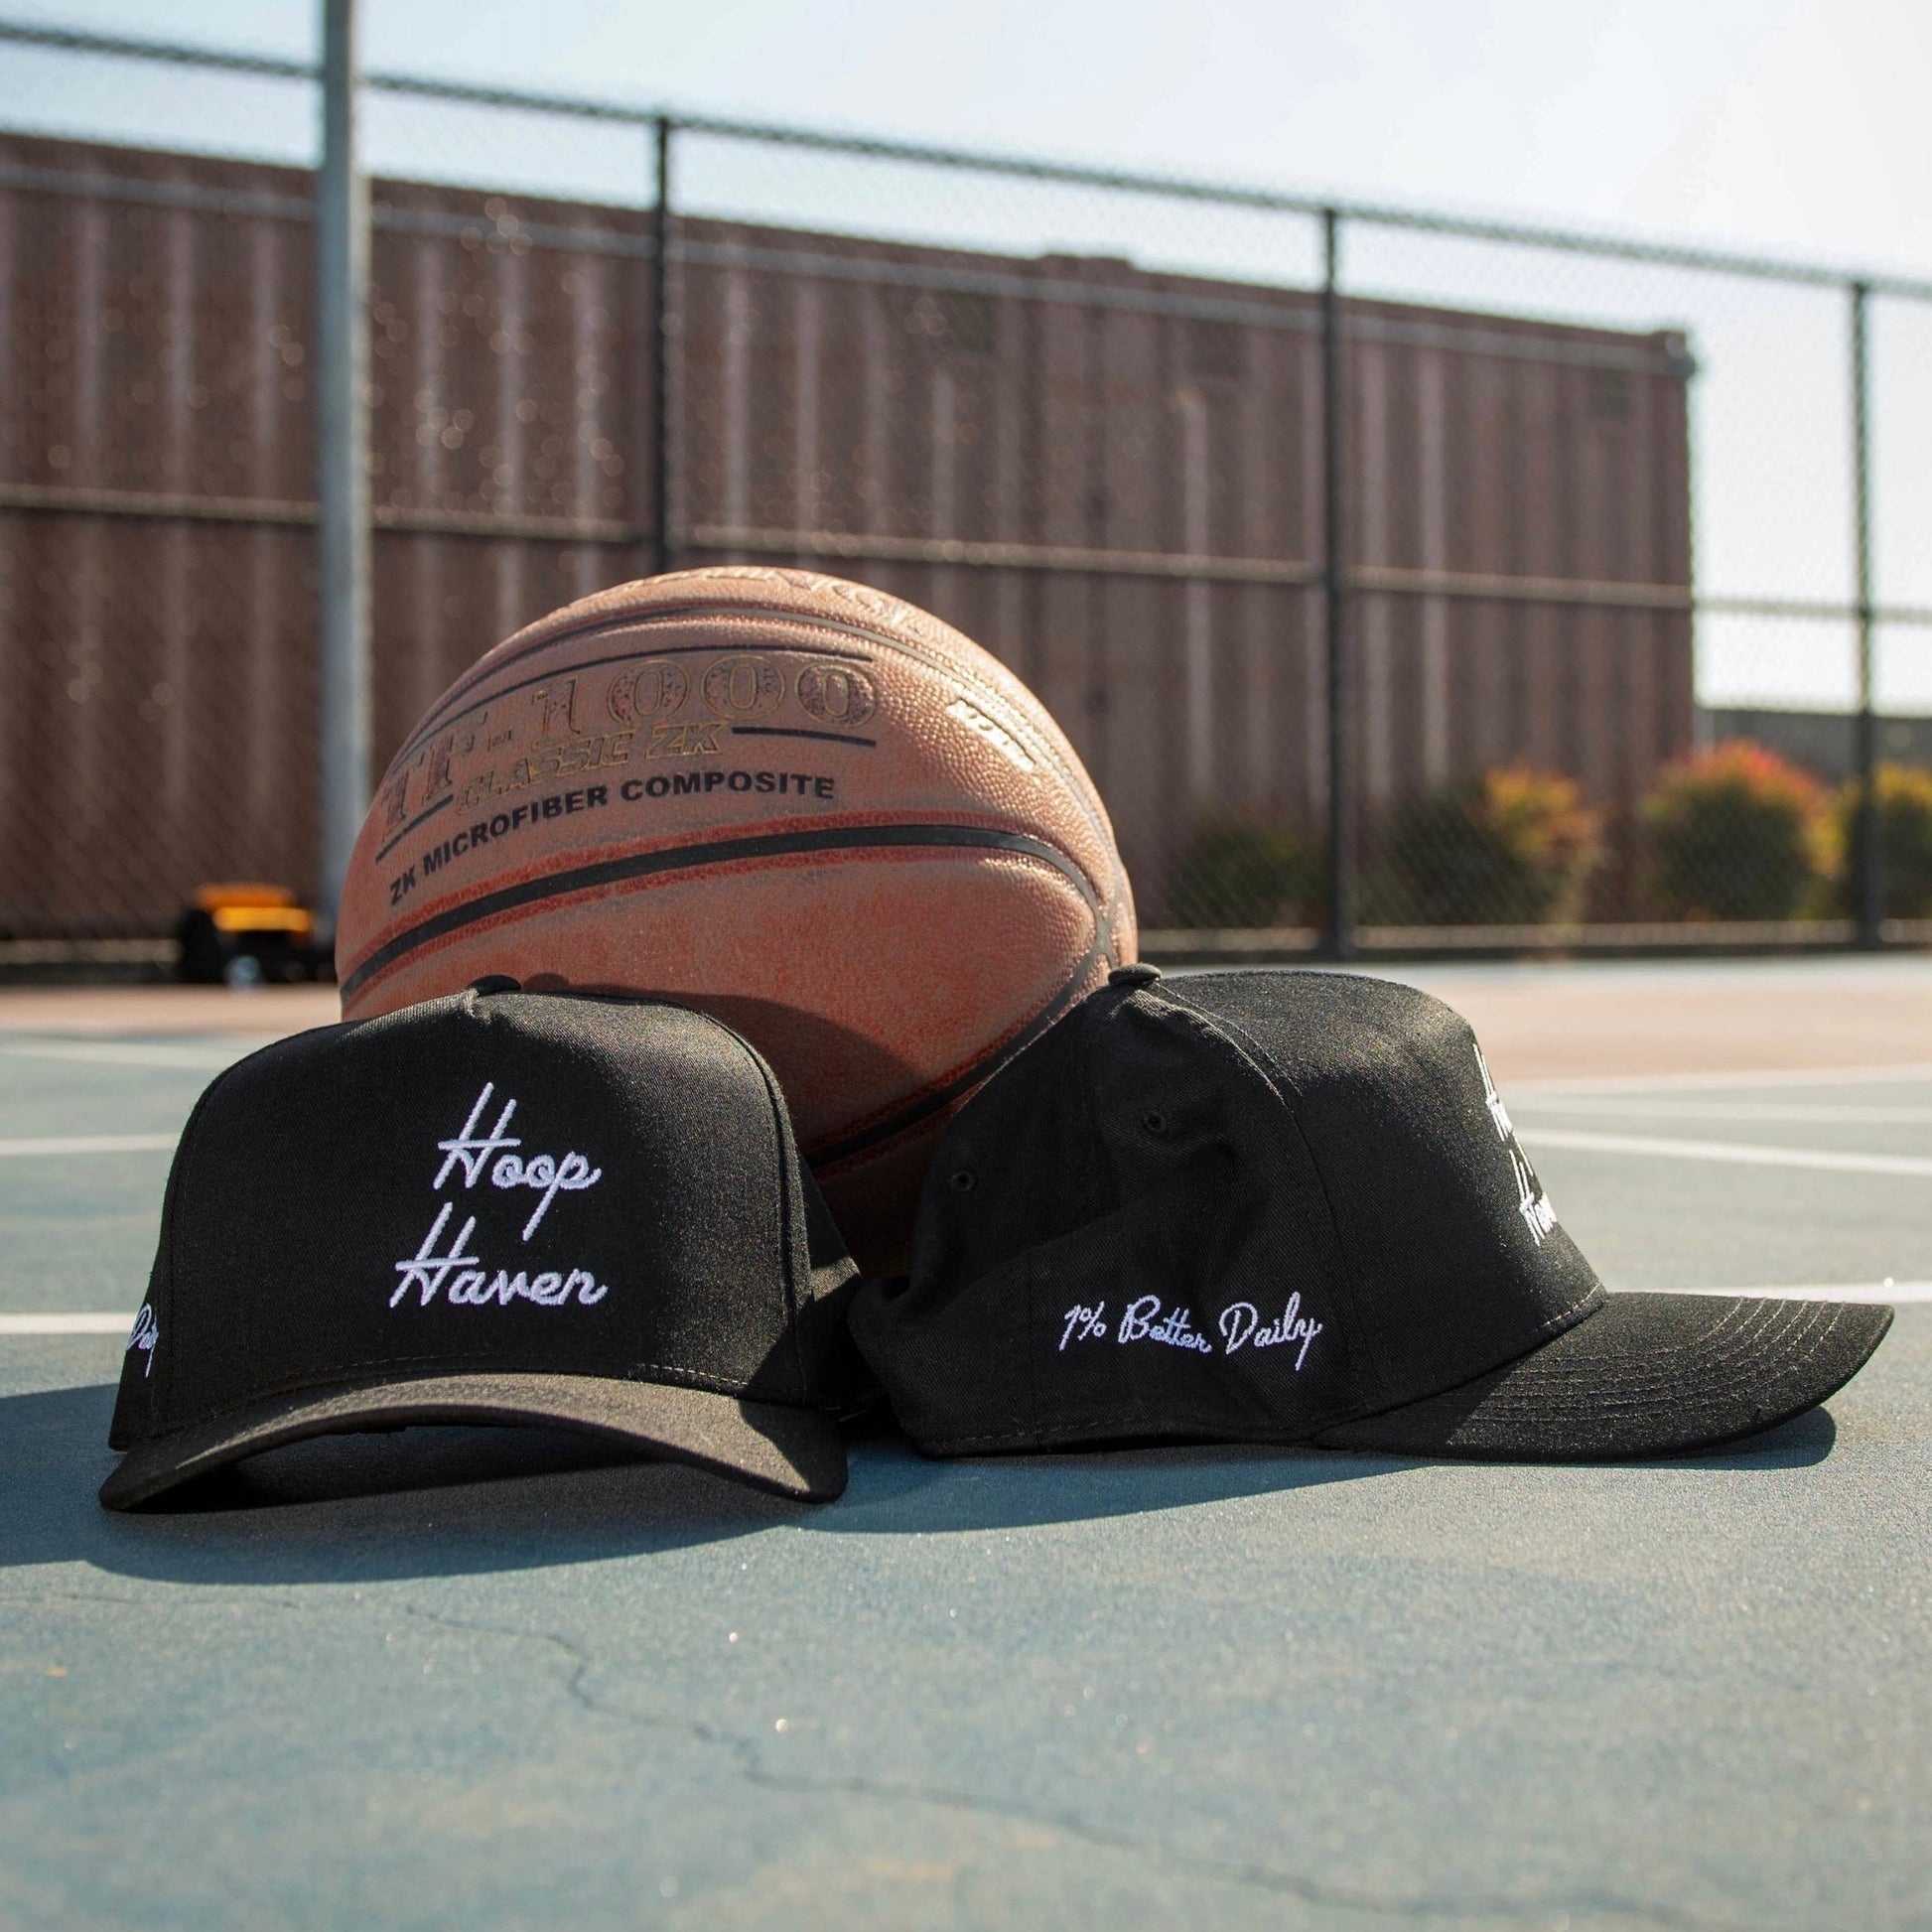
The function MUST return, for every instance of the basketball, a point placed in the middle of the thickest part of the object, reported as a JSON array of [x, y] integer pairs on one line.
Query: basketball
[[795, 802]]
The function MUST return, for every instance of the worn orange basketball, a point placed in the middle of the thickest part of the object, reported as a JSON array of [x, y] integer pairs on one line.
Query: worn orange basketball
[[798, 803]]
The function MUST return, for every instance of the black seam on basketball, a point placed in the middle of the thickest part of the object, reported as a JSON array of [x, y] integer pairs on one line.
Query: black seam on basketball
[[1073, 775], [716, 852], [983, 1069], [456, 700], [428, 811], [787, 731], [927, 656], [424, 733]]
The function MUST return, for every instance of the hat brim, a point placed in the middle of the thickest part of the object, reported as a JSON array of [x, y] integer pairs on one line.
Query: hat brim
[[1646, 1375], [788, 1450]]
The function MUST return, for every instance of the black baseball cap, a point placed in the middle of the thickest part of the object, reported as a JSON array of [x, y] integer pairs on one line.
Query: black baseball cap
[[495, 1207], [1292, 1207]]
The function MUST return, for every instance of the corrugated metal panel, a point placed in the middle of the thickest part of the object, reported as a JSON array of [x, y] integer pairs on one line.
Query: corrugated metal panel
[[158, 670], [1105, 424], [162, 351]]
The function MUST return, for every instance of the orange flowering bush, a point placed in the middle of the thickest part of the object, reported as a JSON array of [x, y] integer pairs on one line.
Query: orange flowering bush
[[1736, 833], [1905, 837], [1513, 847]]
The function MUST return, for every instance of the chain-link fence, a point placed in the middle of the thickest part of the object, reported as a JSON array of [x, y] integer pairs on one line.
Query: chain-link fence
[[1404, 580]]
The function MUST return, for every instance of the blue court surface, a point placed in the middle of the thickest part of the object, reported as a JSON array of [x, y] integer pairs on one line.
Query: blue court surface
[[458, 1678]]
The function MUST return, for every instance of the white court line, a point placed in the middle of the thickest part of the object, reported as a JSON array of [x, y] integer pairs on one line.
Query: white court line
[[1735, 1153], [88, 1144], [67, 1324], [130, 1053], [1736, 1110], [1800, 1076]]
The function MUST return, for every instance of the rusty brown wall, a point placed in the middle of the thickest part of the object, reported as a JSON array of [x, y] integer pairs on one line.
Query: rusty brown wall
[[1536, 469], [1477, 444], [160, 724], [836, 401]]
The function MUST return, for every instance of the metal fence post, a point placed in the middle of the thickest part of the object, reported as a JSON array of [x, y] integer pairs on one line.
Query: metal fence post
[[1341, 777], [1868, 859], [661, 353], [342, 448]]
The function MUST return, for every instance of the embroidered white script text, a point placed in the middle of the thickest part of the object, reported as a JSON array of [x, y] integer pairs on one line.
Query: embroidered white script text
[[466, 1280], [546, 1172], [1241, 1326], [1144, 1321], [147, 1331], [464, 1283], [1531, 1201]]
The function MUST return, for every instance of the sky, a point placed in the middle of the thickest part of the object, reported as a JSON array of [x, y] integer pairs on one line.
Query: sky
[[1791, 125], [1787, 127]]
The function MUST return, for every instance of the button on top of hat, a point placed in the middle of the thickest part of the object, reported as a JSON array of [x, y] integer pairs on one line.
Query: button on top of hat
[[1141, 975], [495, 983]]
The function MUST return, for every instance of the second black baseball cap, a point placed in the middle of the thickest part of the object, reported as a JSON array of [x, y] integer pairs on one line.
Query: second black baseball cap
[[1265, 1206], [496, 1207]]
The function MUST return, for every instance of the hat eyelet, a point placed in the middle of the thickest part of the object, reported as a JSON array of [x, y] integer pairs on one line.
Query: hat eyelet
[[962, 1181], [1155, 1121]]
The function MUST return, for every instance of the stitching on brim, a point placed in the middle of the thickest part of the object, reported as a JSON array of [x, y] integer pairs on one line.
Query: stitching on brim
[[686, 1378]]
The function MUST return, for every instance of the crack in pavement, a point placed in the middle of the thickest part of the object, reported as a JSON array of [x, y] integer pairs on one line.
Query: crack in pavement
[[748, 1755]]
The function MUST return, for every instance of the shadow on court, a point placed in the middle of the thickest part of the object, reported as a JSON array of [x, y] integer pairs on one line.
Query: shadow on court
[[440, 1502]]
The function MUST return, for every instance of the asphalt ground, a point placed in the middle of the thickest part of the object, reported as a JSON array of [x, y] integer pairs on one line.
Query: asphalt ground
[[474, 1678]]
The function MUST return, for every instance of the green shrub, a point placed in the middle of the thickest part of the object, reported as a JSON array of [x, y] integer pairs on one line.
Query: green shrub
[[1244, 873], [1736, 833], [1513, 847], [1905, 833]]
